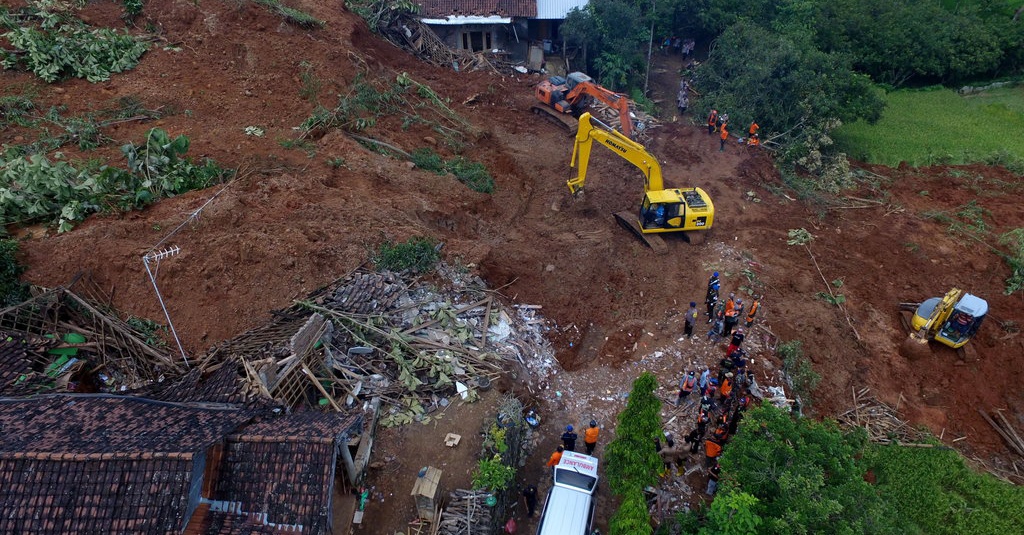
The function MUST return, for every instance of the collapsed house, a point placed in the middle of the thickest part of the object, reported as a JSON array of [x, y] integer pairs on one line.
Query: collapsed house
[[103, 433]]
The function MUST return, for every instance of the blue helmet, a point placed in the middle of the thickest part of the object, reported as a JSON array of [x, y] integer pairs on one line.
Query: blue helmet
[[715, 274], [568, 428]]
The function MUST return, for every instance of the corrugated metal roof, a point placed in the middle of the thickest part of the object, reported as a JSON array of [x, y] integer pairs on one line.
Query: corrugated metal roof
[[557, 9]]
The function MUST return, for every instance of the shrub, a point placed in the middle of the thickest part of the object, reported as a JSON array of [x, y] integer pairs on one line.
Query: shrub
[[12, 290], [492, 474], [417, 254], [935, 490], [428, 160], [63, 46], [473, 174], [631, 464], [38, 189], [798, 369]]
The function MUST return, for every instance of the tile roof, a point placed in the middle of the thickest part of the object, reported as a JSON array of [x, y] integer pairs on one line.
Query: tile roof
[[483, 8], [284, 467], [94, 424], [14, 361], [87, 464], [224, 385]]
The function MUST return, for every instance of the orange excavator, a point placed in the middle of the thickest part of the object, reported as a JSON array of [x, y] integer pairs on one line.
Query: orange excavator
[[572, 95]]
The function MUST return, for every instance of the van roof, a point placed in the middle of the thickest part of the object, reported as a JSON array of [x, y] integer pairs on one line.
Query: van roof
[[567, 512]]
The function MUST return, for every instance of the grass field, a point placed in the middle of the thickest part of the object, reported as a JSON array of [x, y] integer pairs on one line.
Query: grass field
[[936, 126]]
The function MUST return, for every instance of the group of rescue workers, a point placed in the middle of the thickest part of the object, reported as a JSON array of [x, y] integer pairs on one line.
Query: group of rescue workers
[[721, 398], [719, 122]]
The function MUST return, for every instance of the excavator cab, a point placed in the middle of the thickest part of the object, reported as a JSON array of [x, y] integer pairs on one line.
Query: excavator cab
[[671, 210], [952, 319]]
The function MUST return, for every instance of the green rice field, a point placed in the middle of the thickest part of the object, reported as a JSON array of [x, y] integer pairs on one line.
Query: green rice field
[[936, 126]]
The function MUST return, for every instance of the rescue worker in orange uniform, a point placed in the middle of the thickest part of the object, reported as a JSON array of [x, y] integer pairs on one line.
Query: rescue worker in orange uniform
[[754, 127], [686, 385], [712, 450], [556, 457], [726, 388], [725, 137], [712, 121], [590, 437], [754, 307]]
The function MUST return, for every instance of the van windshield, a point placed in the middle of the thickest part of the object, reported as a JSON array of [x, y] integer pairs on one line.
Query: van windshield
[[575, 479]]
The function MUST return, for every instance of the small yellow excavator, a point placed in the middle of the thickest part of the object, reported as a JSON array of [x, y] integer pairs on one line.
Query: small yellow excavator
[[951, 320], [683, 210]]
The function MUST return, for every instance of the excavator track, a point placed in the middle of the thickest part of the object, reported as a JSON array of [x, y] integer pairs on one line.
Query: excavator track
[[629, 221], [566, 121]]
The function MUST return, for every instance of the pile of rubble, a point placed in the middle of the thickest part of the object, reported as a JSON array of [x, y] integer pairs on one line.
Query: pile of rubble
[[416, 345]]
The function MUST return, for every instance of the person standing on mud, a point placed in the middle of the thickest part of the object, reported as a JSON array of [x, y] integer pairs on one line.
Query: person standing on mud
[[714, 281], [668, 456], [686, 386], [682, 100], [690, 320], [530, 497], [724, 137], [590, 437], [732, 315], [705, 378], [555, 458], [735, 342], [569, 438], [754, 307], [711, 300], [712, 121]]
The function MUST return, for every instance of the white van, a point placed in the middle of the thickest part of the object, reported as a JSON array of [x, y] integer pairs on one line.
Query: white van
[[569, 507]]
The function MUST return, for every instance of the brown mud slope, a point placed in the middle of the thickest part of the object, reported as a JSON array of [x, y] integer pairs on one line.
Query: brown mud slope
[[290, 223]]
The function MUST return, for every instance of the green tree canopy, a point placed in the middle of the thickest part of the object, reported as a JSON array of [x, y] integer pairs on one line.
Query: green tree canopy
[[630, 459], [804, 476], [630, 462], [785, 85]]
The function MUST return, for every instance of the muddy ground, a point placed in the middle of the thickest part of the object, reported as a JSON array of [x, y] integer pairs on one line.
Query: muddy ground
[[292, 222]]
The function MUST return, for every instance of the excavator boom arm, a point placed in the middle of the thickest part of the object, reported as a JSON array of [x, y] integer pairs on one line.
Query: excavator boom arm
[[620, 144], [616, 101]]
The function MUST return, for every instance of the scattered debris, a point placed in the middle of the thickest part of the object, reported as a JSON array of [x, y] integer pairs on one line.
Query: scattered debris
[[392, 336], [882, 422], [1005, 430]]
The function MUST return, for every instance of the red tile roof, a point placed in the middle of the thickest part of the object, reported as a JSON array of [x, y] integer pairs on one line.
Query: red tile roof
[[284, 467], [482, 8], [88, 425], [87, 464]]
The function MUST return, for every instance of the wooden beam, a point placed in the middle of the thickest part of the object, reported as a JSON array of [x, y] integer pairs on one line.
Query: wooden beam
[[320, 387]]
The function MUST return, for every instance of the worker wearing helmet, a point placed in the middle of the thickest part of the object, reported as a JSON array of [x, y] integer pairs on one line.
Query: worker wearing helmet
[[569, 438], [590, 437]]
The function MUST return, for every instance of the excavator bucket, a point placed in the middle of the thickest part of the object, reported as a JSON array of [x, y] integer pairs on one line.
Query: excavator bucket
[[630, 222]]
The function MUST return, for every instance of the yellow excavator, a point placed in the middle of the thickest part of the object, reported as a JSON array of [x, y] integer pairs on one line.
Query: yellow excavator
[[683, 210], [951, 320]]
